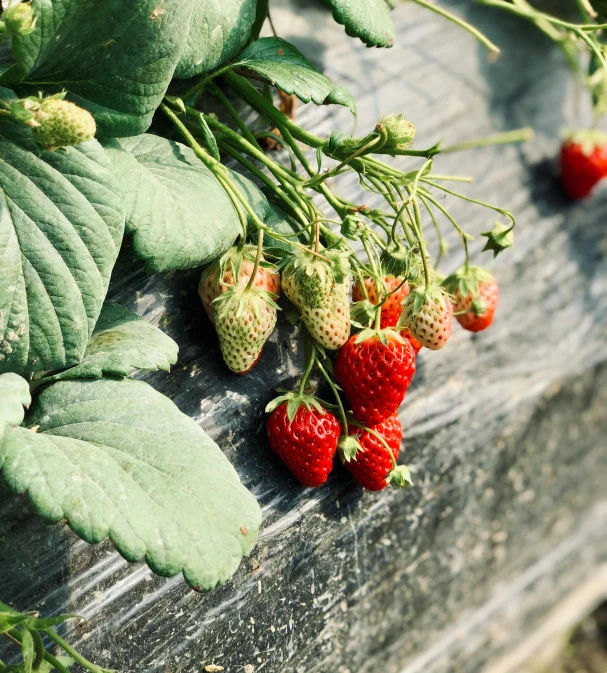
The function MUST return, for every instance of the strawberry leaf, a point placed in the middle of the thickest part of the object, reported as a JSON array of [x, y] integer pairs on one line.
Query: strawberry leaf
[[218, 30], [122, 341], [60, 230], [368, 20], [14, 395], [117, 459], [286, 67]]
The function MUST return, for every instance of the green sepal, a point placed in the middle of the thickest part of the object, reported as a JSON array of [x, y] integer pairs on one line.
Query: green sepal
[[419, 296], [362, 312], [9, 620], [396, 259], [499, 238], [353, 226], [466, 281], [589, 139], [294, 401], [381, 334], [340, 264], [176, 103], [399, 477], [348, 447]]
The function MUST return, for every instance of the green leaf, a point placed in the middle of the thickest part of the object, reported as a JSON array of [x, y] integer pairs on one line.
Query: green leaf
[[9, 619], [178, 212], [122, 341], [14, 395], [117, 459], [60, 231], [367, 19], [27, 651], [115, 58], [41, 623], [219, 29], [287, 68]]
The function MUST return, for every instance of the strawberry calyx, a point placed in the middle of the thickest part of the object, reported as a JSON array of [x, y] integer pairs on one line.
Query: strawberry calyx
[[466, 281], [399, 477], [382, 334], [420, 296], [499, 238], [588, 139], [348, 447], [294, 401]]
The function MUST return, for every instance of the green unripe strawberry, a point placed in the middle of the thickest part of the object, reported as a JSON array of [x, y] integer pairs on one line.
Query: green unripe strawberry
[[328, 324], [60, 123], [310, 280], [19, 18], [400, 133], [244, 319]]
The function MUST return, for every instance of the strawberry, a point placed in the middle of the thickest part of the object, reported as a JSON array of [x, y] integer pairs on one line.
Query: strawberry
[[583, 163], [310, 280], [59, 123], [304, 436], [475, 292], [374, 369], [412, 340], [220, 275], [244, 319], [391, 308], [428, 315], [329, 324], [372, 466]]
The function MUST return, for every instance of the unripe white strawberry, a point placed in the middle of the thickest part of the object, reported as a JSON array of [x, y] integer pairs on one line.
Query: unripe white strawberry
[[244, 319], [428, 315], [60, 123], [220, 275], [310, 280], [328, 324]]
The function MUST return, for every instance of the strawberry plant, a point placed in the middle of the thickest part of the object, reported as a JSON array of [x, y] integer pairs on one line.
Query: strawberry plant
[[581, 36], [108, 129]]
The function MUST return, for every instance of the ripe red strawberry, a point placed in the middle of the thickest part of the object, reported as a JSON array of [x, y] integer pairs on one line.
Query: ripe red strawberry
[[304, 436], [219, 276], [428, 315], [475, 292], [373, 467], [583, 163], [374, 370], [412, 340], [391, 309]]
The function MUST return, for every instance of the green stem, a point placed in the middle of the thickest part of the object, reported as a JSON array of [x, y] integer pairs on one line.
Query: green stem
[[262, 177], [494, 49], [340, 406], [78, 658], [39, 649], [421, 242], [258, 256], [534, 15], [239, 121], [447, 214], [310, 358], [15, 637], [378, 437], [514, 136], [199, 86], [459, 195]]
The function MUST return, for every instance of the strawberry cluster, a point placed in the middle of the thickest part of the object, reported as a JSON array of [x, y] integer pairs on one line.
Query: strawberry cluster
[[372, 369]]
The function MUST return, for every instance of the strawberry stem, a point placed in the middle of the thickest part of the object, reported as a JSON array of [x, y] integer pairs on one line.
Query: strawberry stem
[[258, 256], [340, 406], [379, 438]]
